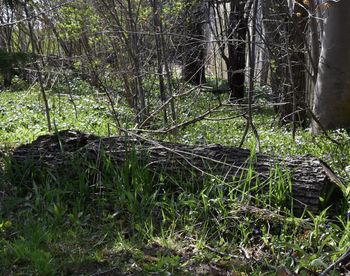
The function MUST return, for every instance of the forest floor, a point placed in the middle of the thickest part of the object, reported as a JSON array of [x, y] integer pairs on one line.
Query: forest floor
[[55, 226]]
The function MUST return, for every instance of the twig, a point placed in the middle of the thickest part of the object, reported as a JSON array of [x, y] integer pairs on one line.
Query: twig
[[222, 254], [165, 104], [225, 118], [321, 126], [246, 129], [28, 18], [183, 153], [113, 270], [337, 262], [181, 125]]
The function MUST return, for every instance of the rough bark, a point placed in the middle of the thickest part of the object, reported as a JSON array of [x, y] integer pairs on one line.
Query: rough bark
[[332, 92], [236, 60], [159, 50], [297, 65], [313, 38], [311, 178], [194, 48]]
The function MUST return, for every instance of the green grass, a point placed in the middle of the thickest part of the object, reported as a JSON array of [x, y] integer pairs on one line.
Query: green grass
[[126, 221]]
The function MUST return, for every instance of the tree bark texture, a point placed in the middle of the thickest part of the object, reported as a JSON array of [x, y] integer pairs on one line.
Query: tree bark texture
[[313, 38], [236, 61], [194, 48], [332, 93], [310, 177]]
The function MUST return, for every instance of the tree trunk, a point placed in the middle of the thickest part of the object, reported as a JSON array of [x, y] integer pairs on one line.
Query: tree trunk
[[5, 45], [36, 50], [159, 51], [332, 93], [236, 61], [314, 38], [297, 65], [132, 29], [311, 179], [194, 49]]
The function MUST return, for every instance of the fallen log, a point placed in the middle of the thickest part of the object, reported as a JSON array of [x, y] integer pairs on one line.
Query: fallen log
[[312, 182]]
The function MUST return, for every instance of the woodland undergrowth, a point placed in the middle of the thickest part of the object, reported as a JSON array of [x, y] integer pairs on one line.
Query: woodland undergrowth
[[128, 222]]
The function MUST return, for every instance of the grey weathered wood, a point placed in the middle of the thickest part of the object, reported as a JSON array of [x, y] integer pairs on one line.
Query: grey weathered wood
[[310, 177]]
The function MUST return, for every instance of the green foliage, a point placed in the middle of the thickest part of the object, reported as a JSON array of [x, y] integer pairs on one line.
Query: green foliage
[[22, 117], [76, 18]]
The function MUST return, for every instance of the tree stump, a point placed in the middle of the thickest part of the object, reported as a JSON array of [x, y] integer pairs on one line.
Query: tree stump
[[311, 179]]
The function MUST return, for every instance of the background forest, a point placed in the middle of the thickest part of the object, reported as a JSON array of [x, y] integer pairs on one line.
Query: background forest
[[204, 77]]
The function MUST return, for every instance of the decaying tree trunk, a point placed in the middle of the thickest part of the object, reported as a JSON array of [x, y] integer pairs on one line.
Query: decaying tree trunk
[[311, 179]]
